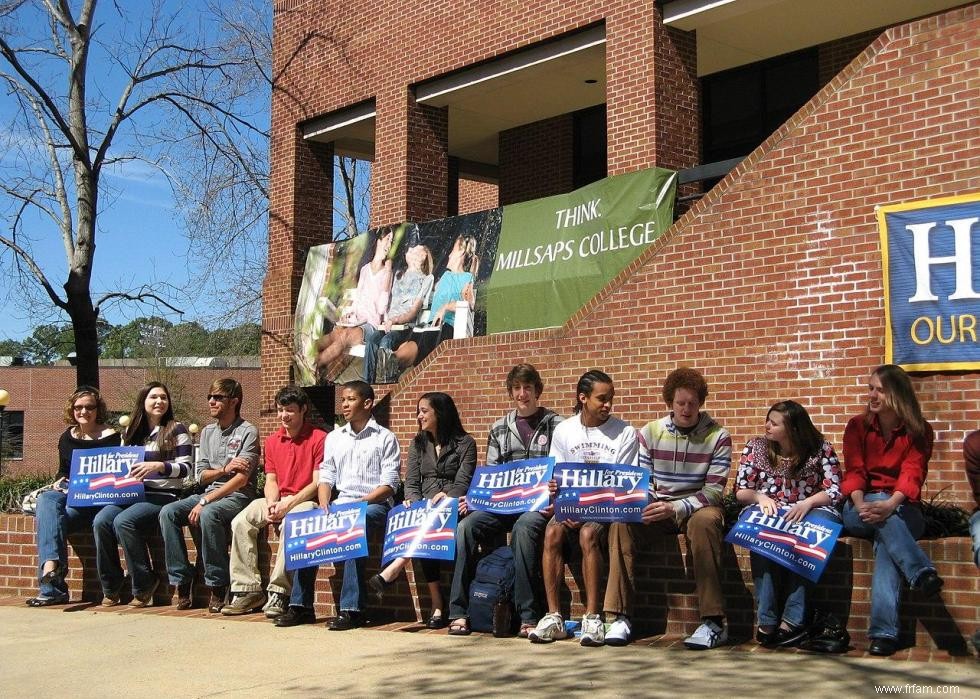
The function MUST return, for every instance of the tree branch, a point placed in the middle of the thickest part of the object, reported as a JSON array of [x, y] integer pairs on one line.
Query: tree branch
[[35, 270]]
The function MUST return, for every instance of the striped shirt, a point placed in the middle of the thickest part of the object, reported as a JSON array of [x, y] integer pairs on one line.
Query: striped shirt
[[177, 463], [688, 470], [355, 464]]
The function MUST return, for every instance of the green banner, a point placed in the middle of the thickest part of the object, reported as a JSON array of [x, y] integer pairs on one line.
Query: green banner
[[556, 253]]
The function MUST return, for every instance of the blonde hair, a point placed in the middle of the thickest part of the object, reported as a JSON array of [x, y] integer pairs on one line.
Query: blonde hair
[[899, 395], [101, 411]]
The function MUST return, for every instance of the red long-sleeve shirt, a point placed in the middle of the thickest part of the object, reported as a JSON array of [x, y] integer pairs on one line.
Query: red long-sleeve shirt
[[875, 462]]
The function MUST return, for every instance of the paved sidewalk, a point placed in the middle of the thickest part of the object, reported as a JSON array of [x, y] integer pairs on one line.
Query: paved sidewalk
[[82, 652]]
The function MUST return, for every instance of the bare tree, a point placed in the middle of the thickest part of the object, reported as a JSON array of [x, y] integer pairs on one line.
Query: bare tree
[[223, 181], [162, 80]]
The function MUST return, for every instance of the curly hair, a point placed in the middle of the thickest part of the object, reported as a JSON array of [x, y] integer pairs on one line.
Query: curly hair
[[685, 377]]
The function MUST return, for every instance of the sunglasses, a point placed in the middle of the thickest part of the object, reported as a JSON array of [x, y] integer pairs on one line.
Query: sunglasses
[[217, 397]]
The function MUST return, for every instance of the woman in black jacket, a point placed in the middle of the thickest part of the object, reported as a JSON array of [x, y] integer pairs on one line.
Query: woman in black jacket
[[441, 460]]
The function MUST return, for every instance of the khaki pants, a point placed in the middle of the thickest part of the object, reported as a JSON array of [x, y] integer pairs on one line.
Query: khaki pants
[[245, 576], [704, 536]]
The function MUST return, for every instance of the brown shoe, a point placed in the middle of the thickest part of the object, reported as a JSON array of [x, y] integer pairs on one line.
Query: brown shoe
[[185, 596], [218, 595], [145, 598]]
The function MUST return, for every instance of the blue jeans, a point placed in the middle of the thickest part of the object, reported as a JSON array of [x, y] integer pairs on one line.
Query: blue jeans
[[775, 583], [352, 592], [210, 537], [53, 522], [897, 555], [975, 535], [526, 540], [128, 526]]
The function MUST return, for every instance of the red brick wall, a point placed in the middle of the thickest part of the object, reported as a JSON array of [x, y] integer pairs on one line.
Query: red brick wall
[[667, 583], [41, 393], [536, 160], [477, 196]]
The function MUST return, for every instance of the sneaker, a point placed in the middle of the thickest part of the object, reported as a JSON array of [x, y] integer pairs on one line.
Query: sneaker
[[145, 598], [593, 630], [550, 628], [114, 599], [619, 632], [706, 636], [276, 606], [244, 603]]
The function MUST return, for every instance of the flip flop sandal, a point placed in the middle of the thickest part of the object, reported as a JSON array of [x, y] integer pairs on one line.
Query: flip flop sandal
[[42, 601], [460, 627]]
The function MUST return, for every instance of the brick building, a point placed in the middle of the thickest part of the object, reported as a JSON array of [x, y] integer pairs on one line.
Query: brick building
[[770, 283]]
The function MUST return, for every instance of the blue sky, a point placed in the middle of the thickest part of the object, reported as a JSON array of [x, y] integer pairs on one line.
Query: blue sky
[[140, 238]]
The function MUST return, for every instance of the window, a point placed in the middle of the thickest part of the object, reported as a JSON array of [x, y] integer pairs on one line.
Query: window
[[743, 106], [13, 434]]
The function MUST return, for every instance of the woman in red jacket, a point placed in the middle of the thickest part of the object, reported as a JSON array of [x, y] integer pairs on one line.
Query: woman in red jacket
[[886, 455]]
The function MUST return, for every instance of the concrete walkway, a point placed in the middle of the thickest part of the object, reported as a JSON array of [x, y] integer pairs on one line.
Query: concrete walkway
[[81, 652]]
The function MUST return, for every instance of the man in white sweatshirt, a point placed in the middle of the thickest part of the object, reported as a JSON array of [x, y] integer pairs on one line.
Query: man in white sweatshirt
[[591, 435]]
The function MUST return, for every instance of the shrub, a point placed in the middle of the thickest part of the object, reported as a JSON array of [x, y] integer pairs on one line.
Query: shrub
[[14, 488]]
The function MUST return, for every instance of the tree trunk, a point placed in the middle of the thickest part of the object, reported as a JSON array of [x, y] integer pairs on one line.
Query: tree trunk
[[83, 320]]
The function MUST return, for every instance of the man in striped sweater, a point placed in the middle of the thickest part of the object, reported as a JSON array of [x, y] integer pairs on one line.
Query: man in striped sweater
[[689, 456]]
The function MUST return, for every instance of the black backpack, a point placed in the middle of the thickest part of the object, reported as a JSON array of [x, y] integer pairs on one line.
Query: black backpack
[[491, 606]]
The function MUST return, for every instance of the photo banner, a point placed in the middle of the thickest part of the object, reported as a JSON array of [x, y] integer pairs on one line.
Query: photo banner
[[374, 305], [511, 488], [600, 492], [422, 530], [316, 537], [99, 477], [802, 547], [931, 264]]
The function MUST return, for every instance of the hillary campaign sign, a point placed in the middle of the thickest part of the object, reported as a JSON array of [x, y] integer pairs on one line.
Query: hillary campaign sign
[[930, 260], [512, 488], [600, 492], [101, 477], [802, 547], [317, 537], [422, 530]]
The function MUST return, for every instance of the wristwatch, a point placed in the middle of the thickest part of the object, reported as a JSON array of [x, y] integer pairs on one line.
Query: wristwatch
[[203, 501]]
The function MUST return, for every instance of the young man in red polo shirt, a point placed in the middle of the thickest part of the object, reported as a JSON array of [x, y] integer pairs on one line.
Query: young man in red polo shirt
[[292, 462]]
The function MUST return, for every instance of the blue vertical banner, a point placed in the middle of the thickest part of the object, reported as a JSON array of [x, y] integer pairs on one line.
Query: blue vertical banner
[[421, 530], [511, 488], [931, 266], [803, 547], [600, 492], [101, 477], [316, 537]]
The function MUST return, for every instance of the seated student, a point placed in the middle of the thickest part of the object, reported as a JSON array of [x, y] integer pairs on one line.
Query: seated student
[[86, 415], [227, 460], [591, 435], [971, 456], [689, 456], [886, 456], [292, 463], [523, 433], [167, 462], [792, 465], [441, 460], [361, 463]]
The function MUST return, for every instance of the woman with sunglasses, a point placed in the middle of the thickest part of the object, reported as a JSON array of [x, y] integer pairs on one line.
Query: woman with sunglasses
[[85, 414]]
